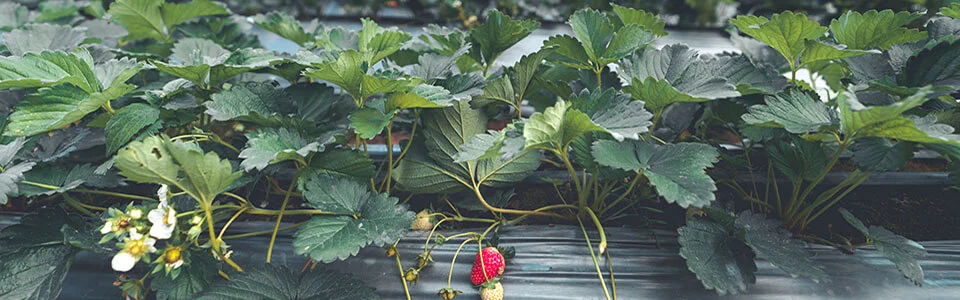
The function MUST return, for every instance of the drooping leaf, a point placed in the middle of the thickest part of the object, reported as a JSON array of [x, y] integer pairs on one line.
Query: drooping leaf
[[901, 251], [721, 262], [775, 244], [193, 278], [127, 122], [34, 260], [278, 282], [268, 146], [367, 219], [37, 38], [786, 32], [795, 110], [58, 179], [677, 171], [875, 29], [881, 155], [497, 34], [59, 144]]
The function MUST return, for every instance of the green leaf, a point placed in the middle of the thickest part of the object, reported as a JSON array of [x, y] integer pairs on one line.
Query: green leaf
[[369, 122], [855, 117], [56, 144], [417, 172], [496, 35], [816, 51], [526, 70], [568, 52], [251, 101], [881, 155], [875, 29], [648, 21], [934, 65], [285, 26], [721, 262], [159, 161], [206, 64], [952, 11], [376, 43], [65, 179], [673, 74], [12, 15], [155, 19], [12, 173], [556, 127], [615, 112], [422, 96], [34, 260], [901, 251], [278, 282], [367, 219], [749, 78], [775, 244], [348, 72], [497, 90], [678, 171], [47, 69], [481, 146], [55, 107], [127, 123], [267, 146], [786, 32], [795, 111], [194, 277], [445, 130], [42, 37], [174, 14], [602, 40], [798, 161], [344, 162]]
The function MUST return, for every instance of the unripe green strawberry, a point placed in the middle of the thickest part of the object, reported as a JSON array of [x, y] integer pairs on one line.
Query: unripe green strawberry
[[491, 291], [491, 267]]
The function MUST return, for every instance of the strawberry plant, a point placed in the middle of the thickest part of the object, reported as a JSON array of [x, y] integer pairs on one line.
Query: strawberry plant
[[145, 130]]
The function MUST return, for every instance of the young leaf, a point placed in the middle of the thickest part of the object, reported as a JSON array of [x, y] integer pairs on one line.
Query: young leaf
[[127, 123], [268, 146], [603, 41], [496, 35], [678, 171], [280, 283], [786, 32], [721, 262], [366, 219], [795, 110], [648, 21], [206, 64], [42, 37], [556, 127], [775, 244], [376, 43], [34, 260], [901, 251], [349, 73], [875, 29]]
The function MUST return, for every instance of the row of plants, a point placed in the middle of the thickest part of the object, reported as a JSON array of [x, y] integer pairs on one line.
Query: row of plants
[[145, 130]]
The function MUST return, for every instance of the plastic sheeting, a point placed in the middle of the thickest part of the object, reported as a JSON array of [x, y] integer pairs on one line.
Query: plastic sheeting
[[554, 263]]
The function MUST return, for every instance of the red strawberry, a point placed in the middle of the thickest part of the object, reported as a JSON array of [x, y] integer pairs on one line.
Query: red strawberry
[[491, 267]]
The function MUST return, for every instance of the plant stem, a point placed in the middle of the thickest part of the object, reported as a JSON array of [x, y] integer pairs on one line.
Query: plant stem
[[602, 247], [387, 178], [115, 194], [78, 206], [633, 184], [596, 263], [406, 289], [256, 233], [613, 281], [834, 202], [276, 227], [230, 221], [454, 261], [476, 191]]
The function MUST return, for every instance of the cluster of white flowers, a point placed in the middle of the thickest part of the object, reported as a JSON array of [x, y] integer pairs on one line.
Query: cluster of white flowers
[[135, 245]]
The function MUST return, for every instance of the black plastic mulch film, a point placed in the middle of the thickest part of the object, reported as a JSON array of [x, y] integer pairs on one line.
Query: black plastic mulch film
[[553, 262]]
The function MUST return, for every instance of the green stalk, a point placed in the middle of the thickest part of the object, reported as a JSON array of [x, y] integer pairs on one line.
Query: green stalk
[[596, 263], [276, 227], [406, 289]]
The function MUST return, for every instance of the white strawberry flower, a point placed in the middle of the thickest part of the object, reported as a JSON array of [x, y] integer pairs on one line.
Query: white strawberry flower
[[135, 247], [163, 218]]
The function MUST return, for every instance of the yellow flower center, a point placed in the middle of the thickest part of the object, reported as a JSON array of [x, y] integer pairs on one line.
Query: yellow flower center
[[136, 248], [172, 255]]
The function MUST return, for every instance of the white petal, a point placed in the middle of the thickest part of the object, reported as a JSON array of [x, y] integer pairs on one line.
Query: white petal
[[160, 231], [123, 262], [134, 235], [156, 215], [171, 216], [162, 193], [107, 227]]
